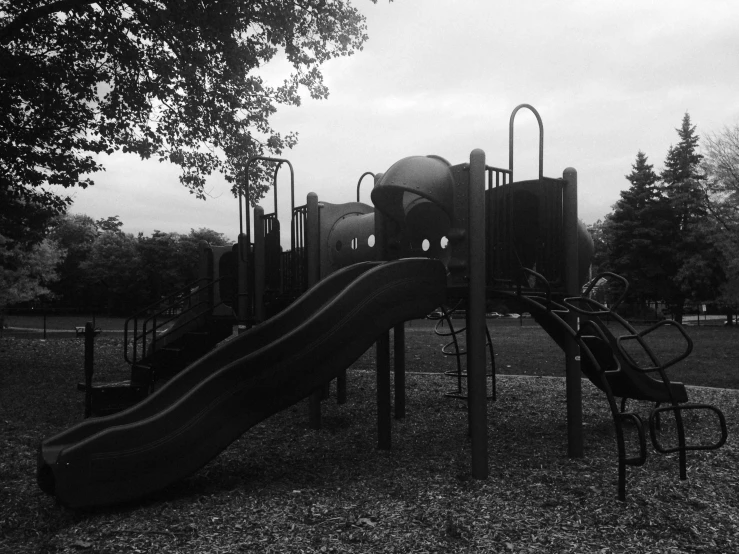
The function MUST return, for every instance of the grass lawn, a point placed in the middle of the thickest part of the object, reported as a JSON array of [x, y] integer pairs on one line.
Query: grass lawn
[[528, 350], [285, 488], [32, 326]]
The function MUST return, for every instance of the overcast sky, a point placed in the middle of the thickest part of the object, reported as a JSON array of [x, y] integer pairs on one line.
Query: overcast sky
[[609, 78]]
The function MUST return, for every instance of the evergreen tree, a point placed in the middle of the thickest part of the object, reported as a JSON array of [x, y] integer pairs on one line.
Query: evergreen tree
[[689, 252], [658, 235], [635, 232], [682, 177], [601, 253]]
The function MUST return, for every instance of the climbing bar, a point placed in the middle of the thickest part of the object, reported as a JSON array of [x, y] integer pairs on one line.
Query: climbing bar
[[604, 276], [654, 419], [639, 337]]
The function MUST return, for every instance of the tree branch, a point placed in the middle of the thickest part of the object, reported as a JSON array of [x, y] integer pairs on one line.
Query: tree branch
[[9, 31]]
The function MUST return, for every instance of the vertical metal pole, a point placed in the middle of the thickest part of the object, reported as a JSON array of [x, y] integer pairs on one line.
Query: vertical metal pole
[[259, 263], [382, 347], [205, 273], [383, 392], [399, 369], [381, 253], [476, 385], [573, 384], [243, 283], [210, 286], [89, 366], [313, 239]]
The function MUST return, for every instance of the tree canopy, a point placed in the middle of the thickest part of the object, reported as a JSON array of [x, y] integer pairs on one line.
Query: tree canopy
[[175, 80], [98, 266], [721, 165], [26, 274]]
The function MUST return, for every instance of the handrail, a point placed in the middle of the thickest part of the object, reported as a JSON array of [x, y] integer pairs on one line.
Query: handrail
[[504, 175], [183, 295], [639, 337], [135, 317], [274, 186], [359, 183], [245, 193], [541, 139], [589, 286], [653, 417], [538, 277]]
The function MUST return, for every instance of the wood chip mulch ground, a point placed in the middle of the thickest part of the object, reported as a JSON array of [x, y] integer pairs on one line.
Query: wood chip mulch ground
[[285, 488]]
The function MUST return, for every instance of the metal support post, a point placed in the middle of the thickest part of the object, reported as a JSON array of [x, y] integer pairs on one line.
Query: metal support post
[[260, 261], [573, 383], [313, 240], [383, 392], [243, 283], [476, 335], [89, 365], [382, 346], [399, 369]]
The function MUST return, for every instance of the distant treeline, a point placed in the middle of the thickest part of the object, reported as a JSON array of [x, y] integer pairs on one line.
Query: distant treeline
[[101, 269]]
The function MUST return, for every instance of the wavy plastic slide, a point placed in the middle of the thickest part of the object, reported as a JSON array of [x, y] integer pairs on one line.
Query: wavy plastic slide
[[196, 415]]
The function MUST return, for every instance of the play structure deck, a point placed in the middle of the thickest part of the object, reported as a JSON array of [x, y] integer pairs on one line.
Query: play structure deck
[[437, 234]]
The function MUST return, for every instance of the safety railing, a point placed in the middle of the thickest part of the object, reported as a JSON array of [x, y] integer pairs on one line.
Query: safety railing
[[141, 330], [498, 177]]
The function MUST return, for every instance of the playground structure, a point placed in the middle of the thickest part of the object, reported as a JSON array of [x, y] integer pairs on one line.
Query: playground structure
[[438, 234]]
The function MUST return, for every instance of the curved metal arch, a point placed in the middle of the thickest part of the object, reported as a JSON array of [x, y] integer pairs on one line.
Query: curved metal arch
[[274, 186], [541, 139], [245, 194], [359, 183]]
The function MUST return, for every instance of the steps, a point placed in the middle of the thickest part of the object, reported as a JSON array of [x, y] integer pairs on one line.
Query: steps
[[160, 365]]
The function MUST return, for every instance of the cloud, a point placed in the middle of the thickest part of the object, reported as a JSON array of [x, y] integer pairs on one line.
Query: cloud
[[442, 77]]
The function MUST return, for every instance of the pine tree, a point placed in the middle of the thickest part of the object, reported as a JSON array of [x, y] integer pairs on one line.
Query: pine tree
[[635, 232], [682, 177], [657, 235], [690, 255]]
